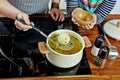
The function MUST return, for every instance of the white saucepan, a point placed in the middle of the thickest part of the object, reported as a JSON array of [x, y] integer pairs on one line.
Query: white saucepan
[[62, 60]]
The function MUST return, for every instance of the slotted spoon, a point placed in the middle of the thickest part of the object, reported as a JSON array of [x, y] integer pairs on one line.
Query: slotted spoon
[[63, 47]]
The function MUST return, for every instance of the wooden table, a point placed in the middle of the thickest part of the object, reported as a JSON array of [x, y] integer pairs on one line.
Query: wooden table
[[111, 70], [112, 67]]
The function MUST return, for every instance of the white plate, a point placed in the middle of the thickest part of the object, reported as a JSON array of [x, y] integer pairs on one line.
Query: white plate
[[111, 29]]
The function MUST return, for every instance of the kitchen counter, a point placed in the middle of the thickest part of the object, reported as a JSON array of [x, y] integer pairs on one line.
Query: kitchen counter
[[111, 70]]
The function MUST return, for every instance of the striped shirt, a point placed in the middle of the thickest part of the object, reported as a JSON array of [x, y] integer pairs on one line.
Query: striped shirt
[[103, 10], [31, 6]]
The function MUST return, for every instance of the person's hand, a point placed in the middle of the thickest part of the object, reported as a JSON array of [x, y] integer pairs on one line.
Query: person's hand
[[56, 14], [22, 26], [88, 26]]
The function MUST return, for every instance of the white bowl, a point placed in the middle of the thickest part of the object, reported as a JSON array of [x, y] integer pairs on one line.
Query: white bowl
[[83, 17]]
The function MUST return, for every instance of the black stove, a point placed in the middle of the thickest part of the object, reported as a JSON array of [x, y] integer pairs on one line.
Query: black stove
[[48, 69], [19, 62]]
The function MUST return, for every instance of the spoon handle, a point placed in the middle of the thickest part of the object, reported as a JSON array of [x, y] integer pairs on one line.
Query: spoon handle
[[40, 32], [35, 28], [22, 21], [107, 40]]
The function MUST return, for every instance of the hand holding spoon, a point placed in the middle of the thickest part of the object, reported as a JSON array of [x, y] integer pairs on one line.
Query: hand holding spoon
[[62, 38]]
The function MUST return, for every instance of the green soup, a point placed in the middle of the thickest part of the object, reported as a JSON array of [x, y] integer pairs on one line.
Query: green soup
[[76, 48]]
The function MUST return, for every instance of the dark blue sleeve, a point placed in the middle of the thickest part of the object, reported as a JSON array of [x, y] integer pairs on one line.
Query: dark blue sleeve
[[104, 9]]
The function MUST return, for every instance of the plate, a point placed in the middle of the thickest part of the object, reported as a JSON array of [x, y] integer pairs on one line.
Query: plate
[[111, 29]]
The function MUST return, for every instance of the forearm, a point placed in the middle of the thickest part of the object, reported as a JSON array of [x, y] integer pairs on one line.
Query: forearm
[[104, 10], [7, 10]]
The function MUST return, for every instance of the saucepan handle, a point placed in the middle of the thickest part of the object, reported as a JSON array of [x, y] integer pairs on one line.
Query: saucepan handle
[[43, 48]]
